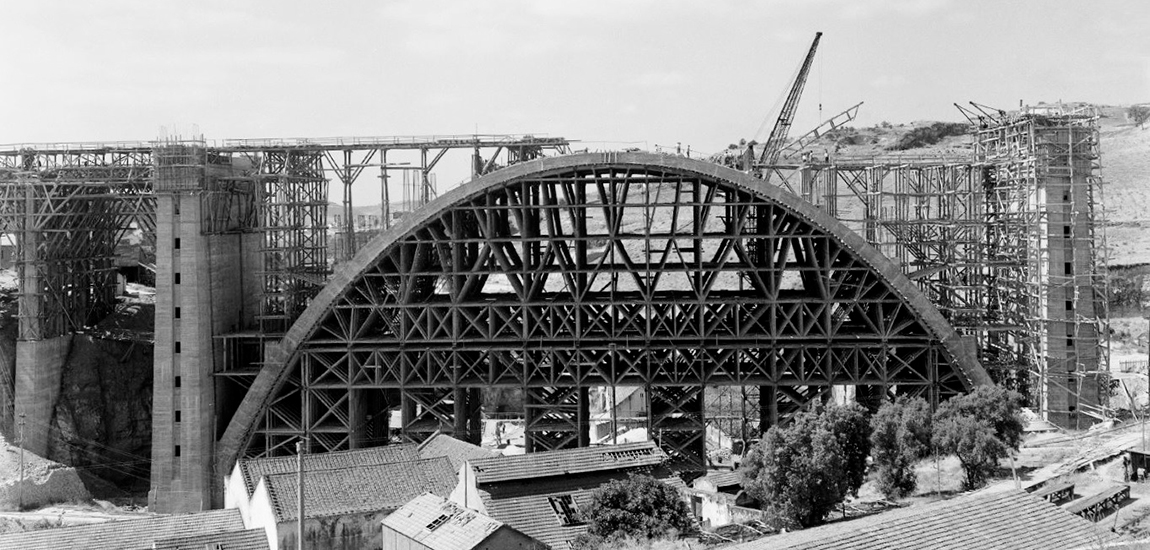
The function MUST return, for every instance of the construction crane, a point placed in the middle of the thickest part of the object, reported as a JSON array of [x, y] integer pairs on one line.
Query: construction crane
[[774, 144], [828, 125]]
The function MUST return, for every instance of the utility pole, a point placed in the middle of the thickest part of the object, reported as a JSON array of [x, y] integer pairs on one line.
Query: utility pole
[[20, 492], [299, 465]]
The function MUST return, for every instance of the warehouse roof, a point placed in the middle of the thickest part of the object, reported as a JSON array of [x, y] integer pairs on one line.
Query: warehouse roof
[[567, 461], [1004, 521], [134, 534], [453, 449], [255, 468], [440, 524], [248, 539], [369, 488]]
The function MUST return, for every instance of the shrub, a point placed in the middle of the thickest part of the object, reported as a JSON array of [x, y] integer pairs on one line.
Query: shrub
[[929, 135], [900, 437], [801, 472], [980, 428], [639, 507]]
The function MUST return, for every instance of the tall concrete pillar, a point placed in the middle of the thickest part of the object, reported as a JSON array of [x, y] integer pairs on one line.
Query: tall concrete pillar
[[39, 369]]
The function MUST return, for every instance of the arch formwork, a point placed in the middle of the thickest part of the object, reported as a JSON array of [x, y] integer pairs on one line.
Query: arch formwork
[[599, 269]]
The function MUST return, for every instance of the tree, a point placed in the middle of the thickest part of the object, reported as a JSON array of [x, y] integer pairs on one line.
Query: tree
[[980, 428], [801, 472], [900, 437], [637, 507], [1139, 114]]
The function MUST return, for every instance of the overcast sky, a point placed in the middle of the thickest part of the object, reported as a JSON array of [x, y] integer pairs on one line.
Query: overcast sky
[[606, 72]]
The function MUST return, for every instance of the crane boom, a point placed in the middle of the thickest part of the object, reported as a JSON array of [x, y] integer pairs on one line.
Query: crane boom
[[783, 125]]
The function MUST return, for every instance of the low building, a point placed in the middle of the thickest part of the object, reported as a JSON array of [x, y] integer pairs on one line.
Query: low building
[[1009, 520], [132, 534], [248, 539], [431, 522], [343, 507], [540, 493], [718, 499]]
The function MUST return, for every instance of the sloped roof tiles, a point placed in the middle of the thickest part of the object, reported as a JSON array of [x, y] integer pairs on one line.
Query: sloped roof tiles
[[453, 449], [255, 468], [567, 461], [249, 539], [1011, 520], [133, 534], [359, 489]]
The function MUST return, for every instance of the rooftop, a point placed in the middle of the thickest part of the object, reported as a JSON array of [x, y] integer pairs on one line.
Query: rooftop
[[547, 510], [255, 468], [724, 478], [1004, 521], [134, 534], [248, 539], [453, 449], [359, 489], [567, 461], [440, 524]]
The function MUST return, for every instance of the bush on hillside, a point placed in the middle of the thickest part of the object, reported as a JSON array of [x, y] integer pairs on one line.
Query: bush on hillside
[[900, 437], [639, 507], [980, 428], [929, 135]]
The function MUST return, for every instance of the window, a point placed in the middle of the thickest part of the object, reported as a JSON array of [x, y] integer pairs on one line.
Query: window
[[1066, 231], [176, 207], [1069, 306], [435, 523], [177, 346], [177, 313], [177, 384], [565, 510], [177, 416], [1066, 197], [1069, 342], [177, 451], [1068, 268], [177, 243], [177, 279]]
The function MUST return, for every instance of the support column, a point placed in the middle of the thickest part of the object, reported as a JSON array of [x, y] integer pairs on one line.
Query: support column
[[39, 370]]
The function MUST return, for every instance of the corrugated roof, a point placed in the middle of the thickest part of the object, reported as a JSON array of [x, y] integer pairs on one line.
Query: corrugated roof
[[369, 488], [255, 468], [453, 449], [528, 506], [567, 461], [133, 534], [1003, 521], [250, 539], [440, 524]]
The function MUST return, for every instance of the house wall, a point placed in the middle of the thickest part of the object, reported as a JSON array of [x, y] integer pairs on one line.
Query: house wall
[[346, 532], [503, 538], [236, 494], [262, 515], [716, 509]]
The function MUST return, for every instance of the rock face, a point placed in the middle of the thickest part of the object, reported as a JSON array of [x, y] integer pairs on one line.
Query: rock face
[[45, 482], [103, 419]]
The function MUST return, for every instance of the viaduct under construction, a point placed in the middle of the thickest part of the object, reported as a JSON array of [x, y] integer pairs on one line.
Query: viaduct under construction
[[555, 274]]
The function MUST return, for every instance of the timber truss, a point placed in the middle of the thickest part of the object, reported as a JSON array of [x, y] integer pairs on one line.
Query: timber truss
[[67, 206], [615, 269]]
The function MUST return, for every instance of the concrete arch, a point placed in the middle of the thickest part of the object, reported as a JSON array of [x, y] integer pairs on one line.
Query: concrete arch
[[855, 307]]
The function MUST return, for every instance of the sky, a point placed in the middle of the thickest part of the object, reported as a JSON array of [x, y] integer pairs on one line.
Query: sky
[[609, 73]]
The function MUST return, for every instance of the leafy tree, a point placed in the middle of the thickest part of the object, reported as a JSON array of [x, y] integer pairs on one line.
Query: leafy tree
[[1139, 114], [980, 428], [900, 437], [638, 507], [801, 472]]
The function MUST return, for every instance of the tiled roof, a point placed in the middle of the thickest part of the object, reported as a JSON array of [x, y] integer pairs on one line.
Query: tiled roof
[[255, 468], [440, 524], [528, 507], [453, 449], [134, 534], [567, 461], [250, 539], [370, 488], [727, 478], [1004, 521]]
